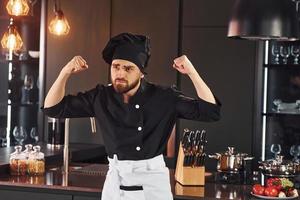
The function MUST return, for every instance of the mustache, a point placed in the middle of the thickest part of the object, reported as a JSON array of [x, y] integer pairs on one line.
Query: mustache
[[120, 79]]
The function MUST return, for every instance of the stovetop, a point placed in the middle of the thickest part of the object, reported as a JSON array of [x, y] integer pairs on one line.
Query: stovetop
[[247, 178]]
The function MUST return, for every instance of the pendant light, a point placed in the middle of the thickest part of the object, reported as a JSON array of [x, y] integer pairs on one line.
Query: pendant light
[[11, 39], [264, 20], [59, 25], [17, 7]]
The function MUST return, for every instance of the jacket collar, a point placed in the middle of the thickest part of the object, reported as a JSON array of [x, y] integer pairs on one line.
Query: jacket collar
[[140, 97]]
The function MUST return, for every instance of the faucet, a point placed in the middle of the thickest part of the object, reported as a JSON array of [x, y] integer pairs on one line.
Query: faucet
[[66, 144]]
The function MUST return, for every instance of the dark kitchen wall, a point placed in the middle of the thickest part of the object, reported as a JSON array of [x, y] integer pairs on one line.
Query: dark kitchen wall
[[159, 21], [227, 66], [92, 23], [89, 21]]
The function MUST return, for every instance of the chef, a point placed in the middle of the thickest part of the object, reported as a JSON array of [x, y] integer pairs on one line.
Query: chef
[[136, 117]]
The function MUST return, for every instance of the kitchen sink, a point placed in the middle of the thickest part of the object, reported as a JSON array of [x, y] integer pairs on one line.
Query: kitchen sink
[[90, 169], [71, 168]]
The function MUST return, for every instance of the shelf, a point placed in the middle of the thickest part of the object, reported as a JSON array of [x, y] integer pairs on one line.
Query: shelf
[[19, 104], [27, 18], [282, 113], [29, 61], [282, 66]]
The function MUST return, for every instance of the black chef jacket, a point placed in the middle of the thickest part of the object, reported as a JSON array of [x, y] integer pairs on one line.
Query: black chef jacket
[[140, 128]]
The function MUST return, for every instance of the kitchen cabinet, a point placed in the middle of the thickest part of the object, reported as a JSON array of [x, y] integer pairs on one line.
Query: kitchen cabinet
[[280, 95], [228, 68], [19, 195], [85, 198], [89, 32], [163, 35], [206, 13], [230, 77]]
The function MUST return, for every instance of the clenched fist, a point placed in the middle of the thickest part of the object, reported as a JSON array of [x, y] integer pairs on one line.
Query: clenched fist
[[77, 64], [183, 65]]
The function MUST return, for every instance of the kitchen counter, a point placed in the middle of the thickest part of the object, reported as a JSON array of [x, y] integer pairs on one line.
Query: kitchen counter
[[86, 182], [54, 156]]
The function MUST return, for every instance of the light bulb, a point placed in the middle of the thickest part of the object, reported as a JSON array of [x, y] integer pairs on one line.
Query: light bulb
[[11, 39], [17, 7], [59, 25]]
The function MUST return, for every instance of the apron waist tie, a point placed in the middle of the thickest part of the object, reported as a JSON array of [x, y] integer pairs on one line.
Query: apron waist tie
[[117, 167]]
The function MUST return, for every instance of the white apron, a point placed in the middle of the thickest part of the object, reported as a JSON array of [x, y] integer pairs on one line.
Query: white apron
[[152, 174]]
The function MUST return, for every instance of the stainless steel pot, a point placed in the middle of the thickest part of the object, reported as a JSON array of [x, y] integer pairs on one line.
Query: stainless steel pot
[[279, 167], [231, 161]]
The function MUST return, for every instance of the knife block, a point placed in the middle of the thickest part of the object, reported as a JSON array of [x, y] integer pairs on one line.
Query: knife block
[[197, 191], [187, 175]]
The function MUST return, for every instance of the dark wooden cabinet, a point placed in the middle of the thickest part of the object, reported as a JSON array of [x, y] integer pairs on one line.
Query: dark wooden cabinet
[[20, 195], [228, 68], [159, 21], [89, 31], [197, 28], [85, 198], [206, 12]]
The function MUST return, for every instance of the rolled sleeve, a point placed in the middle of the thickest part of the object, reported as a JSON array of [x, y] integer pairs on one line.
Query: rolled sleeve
[[54, 111], [197, 109], [72, 106]]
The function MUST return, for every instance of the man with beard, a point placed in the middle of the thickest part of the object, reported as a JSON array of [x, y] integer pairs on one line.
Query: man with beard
[[136, 117]]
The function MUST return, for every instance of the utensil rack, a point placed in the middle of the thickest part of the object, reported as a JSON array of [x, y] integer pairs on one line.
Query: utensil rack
[[188, 175]]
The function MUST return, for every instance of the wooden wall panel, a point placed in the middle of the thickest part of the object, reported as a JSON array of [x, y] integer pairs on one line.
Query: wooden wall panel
[[89, 33], [227, 66], [158, 20], [206, 12]]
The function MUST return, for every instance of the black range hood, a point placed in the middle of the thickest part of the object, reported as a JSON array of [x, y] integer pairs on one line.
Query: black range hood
[[264, 20]]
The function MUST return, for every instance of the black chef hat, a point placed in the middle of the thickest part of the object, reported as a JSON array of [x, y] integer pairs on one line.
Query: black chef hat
[[127, 46]]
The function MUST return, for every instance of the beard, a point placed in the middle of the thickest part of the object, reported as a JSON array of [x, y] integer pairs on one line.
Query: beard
[[124, 87]]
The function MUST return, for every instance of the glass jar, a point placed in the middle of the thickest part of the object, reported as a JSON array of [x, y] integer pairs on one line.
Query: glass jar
[[18, 162], [28, 150], [36, 162]]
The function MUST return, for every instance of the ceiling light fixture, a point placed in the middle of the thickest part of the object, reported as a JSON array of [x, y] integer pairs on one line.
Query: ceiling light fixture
[[59, 25], [17, 7], [11, 39]]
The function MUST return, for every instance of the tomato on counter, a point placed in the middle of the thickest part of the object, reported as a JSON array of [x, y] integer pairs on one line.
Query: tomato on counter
[[274, 182], [258, 189], [271, 191], [275, 187]]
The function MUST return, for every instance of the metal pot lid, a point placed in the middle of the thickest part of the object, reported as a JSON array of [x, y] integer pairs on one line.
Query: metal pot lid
[[232, 152], [278, 161]]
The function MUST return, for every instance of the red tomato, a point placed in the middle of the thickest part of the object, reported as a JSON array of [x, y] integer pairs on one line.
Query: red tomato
[[258, 189], [274, 182], [271, 192]]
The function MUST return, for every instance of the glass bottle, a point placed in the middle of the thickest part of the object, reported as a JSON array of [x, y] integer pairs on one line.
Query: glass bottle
[[18, 162], [36, 162], [27, 151]]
